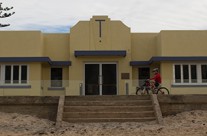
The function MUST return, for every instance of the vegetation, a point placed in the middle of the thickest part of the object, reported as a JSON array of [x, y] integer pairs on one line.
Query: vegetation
[[4, 14]]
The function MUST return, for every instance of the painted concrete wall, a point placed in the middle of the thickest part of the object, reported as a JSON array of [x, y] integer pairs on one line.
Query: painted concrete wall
[[56, 46], [144, 46], [173, 104], [35, 74], [85, 36], [183, 43], [46, 91], [42, 107], [21, 44], [176, 44], [167, 76]]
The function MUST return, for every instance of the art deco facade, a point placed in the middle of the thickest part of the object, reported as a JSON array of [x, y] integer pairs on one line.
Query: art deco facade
[[101, 57]]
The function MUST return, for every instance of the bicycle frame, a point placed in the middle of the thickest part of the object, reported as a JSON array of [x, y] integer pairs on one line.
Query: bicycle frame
[[149, 86]]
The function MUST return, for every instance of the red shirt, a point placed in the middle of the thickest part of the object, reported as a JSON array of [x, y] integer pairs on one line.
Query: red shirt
[[157, 78]]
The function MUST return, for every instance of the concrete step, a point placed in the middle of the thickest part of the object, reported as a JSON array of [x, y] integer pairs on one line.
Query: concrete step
[[109, 103], [107, 108], [106, 97], [95, 120], [108, 114]]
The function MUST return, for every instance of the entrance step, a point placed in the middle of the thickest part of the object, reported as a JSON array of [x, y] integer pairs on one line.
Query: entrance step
[[108, 109], [108, 114], [107, 97], [109, 103], [96, 120]]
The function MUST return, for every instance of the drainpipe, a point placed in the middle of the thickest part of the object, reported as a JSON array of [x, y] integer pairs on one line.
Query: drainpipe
[[81, 88], [127, 88]]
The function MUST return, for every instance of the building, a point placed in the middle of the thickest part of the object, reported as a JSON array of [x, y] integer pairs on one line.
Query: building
[[100, 57]]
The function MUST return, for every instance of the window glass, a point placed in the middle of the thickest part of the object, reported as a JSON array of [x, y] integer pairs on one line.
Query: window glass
[[193, 73], [204, 73], [15, 74], [177, 74], [24, 74], [185, 74], [0, 72], [190, 73], [144, 73], [56, 77], [7, 74]]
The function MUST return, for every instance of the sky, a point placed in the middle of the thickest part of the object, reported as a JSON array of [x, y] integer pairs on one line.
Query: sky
[[58, 16]]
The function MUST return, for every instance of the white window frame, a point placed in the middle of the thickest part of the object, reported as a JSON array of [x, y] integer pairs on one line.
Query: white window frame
[[199, 74], [3, 69]]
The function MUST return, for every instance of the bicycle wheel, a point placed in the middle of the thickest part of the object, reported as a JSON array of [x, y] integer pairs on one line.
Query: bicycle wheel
[[163, 90], [138, 91], [141, 91]]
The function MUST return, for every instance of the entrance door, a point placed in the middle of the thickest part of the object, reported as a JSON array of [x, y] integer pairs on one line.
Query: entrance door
[[92, 79], [100, 79]]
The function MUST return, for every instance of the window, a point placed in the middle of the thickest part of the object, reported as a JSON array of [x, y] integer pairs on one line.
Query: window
[[15, 74], [204, 73], [193, 73], [144, 73], [177, 74], [185, 74], [190, 73], [56, 77]]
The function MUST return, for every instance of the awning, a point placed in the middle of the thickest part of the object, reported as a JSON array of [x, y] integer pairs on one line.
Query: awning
[[158, 59], [120, 53], [35, 59]]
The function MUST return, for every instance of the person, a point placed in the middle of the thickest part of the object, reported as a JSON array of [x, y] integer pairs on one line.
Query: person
[[156, 78]]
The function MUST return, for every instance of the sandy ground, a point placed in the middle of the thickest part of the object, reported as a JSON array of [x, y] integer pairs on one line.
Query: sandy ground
[[193, 123]]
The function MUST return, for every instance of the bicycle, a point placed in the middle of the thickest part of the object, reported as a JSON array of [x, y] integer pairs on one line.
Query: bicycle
[[147, 87]]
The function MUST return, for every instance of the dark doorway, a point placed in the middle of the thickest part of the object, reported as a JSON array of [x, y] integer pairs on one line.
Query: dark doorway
[[144, 73], [100, 79], [92, 79], [109, 79]]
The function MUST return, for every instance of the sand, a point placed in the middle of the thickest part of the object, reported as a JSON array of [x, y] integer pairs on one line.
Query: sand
[[193, 123]]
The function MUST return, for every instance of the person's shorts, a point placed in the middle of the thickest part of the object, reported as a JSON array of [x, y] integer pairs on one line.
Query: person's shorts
[[157, 84]]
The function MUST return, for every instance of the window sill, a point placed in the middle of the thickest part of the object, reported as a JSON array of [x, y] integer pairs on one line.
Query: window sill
[[189, 85], [56, 88], [15, 86]]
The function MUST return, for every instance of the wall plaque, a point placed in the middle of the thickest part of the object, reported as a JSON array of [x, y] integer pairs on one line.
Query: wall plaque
[[125, 76]]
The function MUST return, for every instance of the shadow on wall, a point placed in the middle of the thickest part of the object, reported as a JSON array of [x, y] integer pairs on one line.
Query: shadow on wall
[[173, 104], [42, 107], [46, 106]]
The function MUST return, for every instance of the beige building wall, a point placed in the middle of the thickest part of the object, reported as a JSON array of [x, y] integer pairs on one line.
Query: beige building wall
[[21, 44], [159, 43], [85, 36], [46, 81], [174, 44], [167, 76], [178, 44], [35, 73], [57, 46], [183, 43], [144, 46], [114, 36]]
